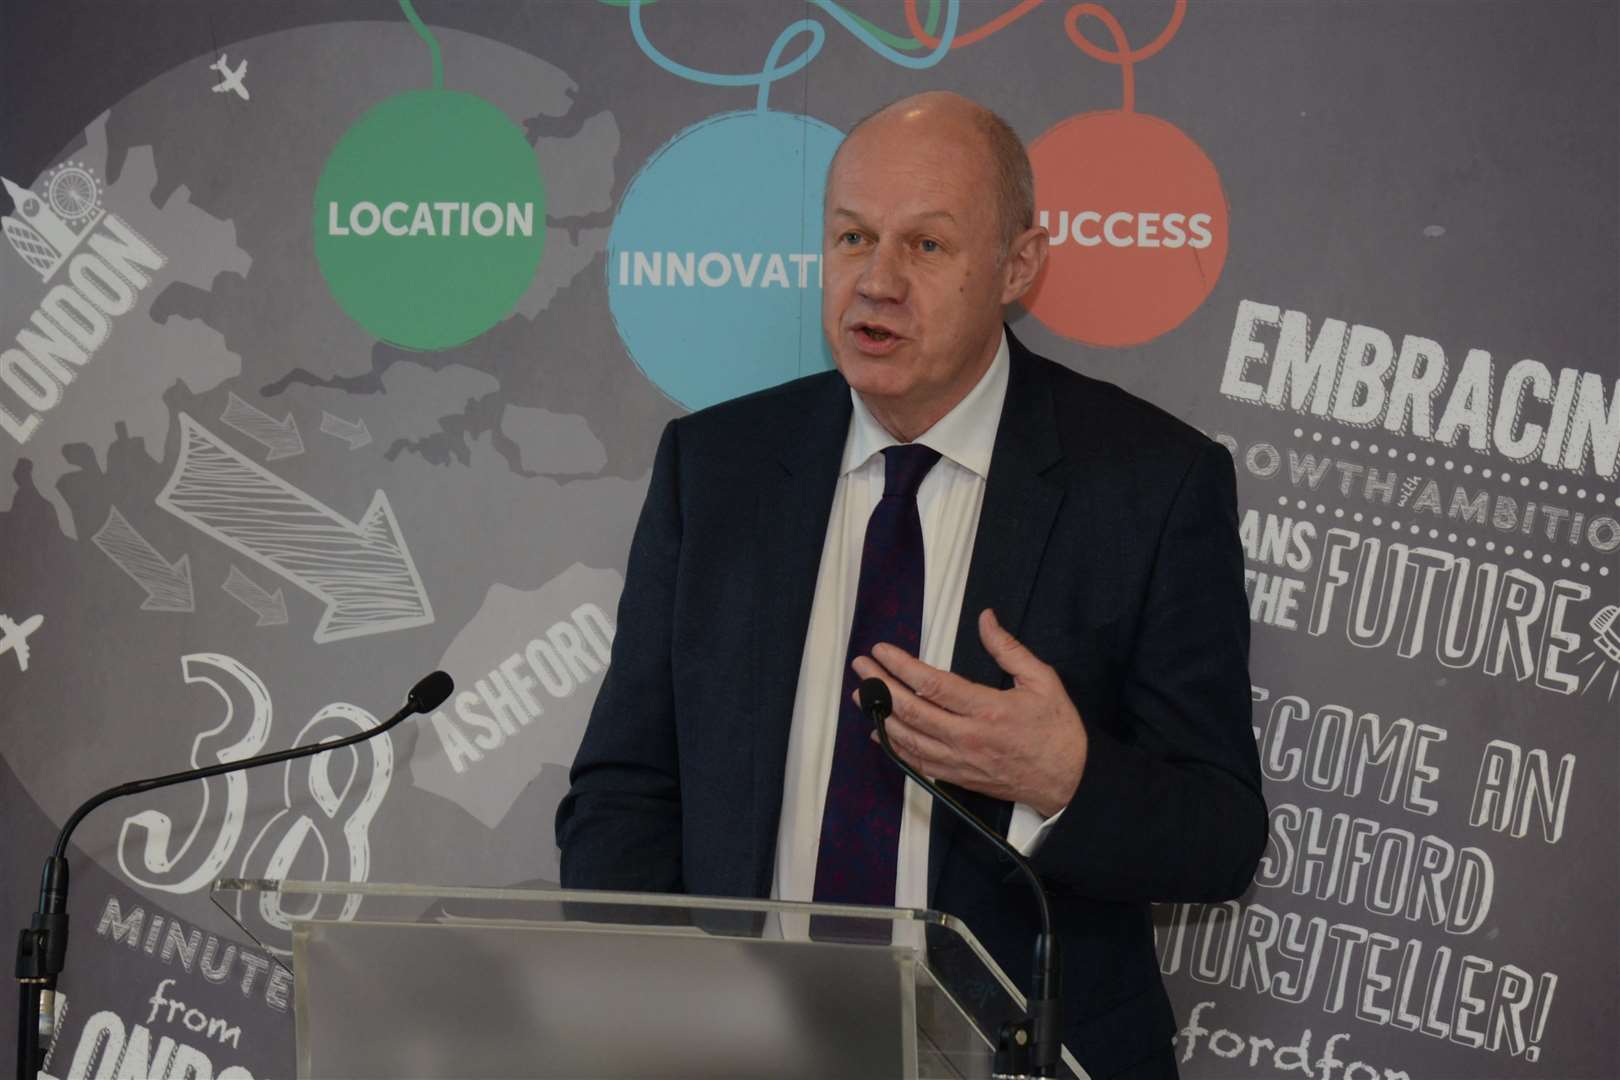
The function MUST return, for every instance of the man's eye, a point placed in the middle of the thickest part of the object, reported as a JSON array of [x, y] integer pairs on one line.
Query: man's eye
[[849, 238], [928, 245]]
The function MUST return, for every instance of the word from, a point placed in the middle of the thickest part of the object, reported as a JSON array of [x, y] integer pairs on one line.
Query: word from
[[1290, 1058], [570, 653], [73, 322], [716, 269], [362, 570], [1468, 614], [1414, 877], [1382, 980], [1355, 375], [1420, 494], [108, 1048], [198, 954], [1514, 786], [193, 1020], [1332, 747], [455, 219], [1123, 229]]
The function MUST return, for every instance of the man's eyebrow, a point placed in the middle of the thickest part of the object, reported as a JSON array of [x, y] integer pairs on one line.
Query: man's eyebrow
[[840, 211]]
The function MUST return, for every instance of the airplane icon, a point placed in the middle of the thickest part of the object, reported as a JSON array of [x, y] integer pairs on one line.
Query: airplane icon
[[232, 79], [14, 638]]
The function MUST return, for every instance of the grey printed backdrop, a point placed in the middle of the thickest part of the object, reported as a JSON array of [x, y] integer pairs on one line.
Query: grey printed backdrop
[[261, 467]]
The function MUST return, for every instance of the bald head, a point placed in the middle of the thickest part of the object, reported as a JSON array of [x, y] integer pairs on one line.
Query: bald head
[[995, 147]]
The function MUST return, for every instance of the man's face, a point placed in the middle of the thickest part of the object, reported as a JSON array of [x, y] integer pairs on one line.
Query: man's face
[[912, 280]]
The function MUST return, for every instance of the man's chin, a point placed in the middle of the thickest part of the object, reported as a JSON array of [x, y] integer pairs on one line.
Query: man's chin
[[874, 376]]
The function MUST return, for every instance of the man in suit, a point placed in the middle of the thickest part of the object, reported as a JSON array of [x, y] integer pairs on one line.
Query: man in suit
[[1044, 569]]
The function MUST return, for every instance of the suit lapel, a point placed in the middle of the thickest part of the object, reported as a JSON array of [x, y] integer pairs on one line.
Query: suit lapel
[[1020, 505], [795, 499]]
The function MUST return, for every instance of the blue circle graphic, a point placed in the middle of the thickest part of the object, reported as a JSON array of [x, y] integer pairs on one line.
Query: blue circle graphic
[[714, 259]]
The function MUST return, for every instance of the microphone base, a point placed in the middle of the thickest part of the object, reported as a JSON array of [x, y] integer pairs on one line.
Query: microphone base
[[1029, 1045]]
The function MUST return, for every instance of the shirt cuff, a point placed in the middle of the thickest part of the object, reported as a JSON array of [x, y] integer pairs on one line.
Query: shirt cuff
[[1027, 830]]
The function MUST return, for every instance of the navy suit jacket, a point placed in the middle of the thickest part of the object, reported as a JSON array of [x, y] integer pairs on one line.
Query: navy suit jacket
[[1107, 543]]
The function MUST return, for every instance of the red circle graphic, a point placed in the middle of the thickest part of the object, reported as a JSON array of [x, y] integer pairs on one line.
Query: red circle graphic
[[1138, 220]]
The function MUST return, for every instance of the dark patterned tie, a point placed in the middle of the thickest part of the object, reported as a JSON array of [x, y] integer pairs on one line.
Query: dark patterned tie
[[860, 825]]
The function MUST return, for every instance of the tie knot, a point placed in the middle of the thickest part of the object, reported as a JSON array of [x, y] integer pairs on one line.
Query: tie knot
[[904, 467]]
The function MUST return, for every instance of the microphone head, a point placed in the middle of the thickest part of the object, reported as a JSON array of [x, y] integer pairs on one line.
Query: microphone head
[[430, 692], [875, 700]]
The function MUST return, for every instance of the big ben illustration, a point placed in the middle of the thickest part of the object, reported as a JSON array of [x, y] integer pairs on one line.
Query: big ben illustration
[[46, 229]]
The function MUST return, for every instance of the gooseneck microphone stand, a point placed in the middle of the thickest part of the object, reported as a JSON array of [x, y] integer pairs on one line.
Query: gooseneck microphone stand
[[1029, 1045], [42, 948]]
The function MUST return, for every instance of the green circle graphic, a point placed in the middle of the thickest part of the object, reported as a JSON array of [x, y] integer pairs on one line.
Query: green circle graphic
[[429, 219]]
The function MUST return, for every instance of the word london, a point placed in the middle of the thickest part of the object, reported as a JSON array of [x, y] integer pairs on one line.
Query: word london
[[107, 265]]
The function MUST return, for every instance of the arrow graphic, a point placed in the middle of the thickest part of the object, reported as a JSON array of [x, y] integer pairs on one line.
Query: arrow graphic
[[361, 571], [280, 437], [167, 585], [355, 433], [270, 607]]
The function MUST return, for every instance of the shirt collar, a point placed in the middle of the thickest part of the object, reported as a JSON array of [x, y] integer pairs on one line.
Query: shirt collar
[[965, 435]]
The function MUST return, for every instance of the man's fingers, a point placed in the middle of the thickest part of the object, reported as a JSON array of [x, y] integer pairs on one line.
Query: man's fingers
[[931, 720], [1011, 654], [945, 689], [922, 751]]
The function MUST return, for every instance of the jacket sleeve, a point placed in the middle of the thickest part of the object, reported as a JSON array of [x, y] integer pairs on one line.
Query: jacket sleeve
[[1169, 807], [619, 826]]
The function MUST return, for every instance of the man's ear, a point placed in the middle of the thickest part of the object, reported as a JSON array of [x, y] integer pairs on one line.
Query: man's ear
[[1025, 258]]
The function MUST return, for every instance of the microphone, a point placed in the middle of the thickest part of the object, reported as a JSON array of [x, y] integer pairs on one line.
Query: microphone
[[42, 948], [1031, 1042]]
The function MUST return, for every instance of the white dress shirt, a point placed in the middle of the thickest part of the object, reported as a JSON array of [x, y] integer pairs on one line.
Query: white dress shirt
[[948, 503]]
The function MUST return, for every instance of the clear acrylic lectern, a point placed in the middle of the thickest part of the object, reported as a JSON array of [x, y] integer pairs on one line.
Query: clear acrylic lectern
[[395, 981]]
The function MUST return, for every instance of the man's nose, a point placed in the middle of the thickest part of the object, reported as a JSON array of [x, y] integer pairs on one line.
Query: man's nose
[[883, 277]]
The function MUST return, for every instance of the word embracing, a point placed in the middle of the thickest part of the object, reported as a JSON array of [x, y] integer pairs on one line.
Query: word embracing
[[1355, 374], [199, 954], [1404, 983], [1294, 1057], [717, 269], [73, 322]]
